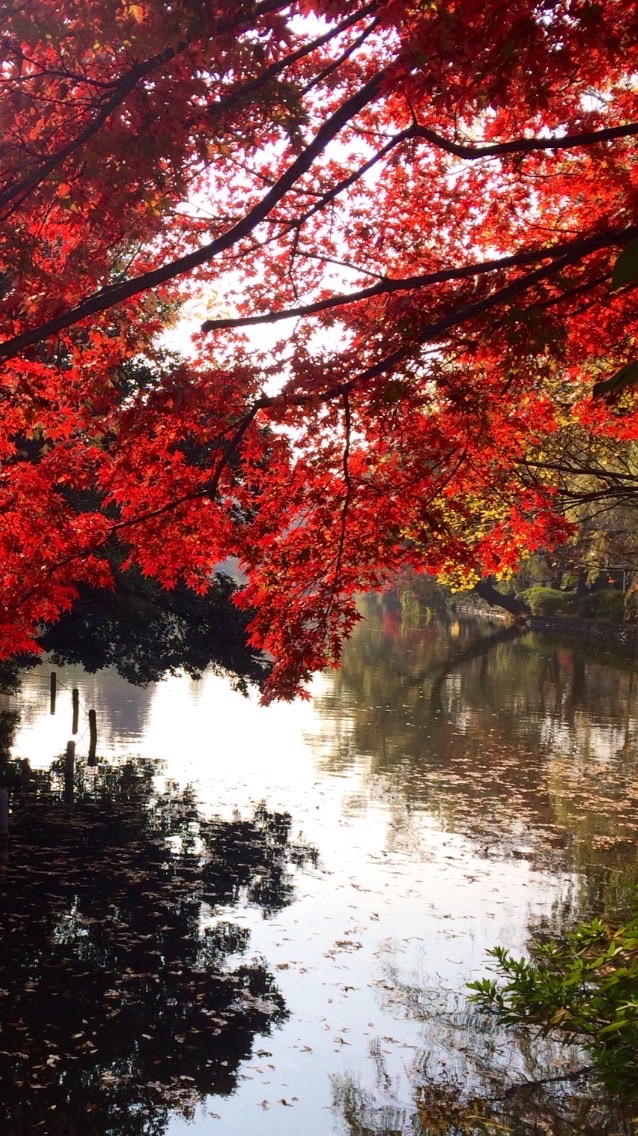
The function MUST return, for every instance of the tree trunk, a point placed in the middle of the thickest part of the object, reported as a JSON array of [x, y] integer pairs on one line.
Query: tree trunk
[[486, 590]]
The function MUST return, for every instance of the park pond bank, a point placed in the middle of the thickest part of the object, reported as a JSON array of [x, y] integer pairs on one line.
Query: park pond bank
[[264, 920], [620, 632]]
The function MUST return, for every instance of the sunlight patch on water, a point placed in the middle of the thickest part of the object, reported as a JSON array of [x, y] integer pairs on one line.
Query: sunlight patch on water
[[448, 813]]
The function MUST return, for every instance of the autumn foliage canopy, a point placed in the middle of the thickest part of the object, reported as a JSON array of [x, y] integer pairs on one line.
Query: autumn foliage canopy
[[404, 233]]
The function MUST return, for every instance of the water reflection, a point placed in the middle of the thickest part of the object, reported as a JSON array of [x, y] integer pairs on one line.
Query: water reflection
[[122, 709], [462, 793], [477, 1077], [523, 743], [443, 1108], [125, 997]]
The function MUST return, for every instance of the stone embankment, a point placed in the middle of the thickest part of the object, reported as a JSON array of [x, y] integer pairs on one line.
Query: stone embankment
[[593, 628]]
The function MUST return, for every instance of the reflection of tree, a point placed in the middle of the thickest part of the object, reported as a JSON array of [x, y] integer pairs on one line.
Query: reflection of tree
[[8, 722], [529, 746], [9, 682], [477, 648], [144, 632], [476, 1077], [124, 997], [443, 1108]]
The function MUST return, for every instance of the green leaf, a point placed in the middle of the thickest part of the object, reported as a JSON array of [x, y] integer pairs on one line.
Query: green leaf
[[614, 1027], [626, 267]]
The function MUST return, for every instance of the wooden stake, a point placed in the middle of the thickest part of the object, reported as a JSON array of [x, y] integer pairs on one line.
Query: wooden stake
[[92, 737], [75, 698], [69, 771]]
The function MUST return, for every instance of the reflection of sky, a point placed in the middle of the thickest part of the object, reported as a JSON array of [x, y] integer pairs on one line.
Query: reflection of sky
[[586, 739], [400, 898], [122, 713]]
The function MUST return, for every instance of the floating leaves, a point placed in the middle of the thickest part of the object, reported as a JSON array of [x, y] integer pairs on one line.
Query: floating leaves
[[118, 998]]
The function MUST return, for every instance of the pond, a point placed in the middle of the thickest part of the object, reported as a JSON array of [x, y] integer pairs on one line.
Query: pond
[[264, 919]]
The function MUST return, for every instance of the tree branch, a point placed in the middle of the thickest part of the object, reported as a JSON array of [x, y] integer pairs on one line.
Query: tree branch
[[433, 330], [472, 153], [280, 65], [581, 471], [114, 294], [123, 88], [211, 487], [120, 91], [583, 246]]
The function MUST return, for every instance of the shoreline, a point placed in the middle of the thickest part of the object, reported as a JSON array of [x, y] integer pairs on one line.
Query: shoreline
[[594, 628]]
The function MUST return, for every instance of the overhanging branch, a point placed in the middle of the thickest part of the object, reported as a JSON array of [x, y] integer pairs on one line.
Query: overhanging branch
[[472, 153], [581, 247]]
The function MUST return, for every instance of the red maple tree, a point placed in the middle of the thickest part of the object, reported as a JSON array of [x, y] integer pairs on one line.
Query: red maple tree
[[404, 220]]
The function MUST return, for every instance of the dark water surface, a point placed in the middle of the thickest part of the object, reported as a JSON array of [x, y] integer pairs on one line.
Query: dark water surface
[[263, 920]]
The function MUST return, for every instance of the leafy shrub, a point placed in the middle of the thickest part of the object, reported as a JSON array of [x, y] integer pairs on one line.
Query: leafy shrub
[[607, 605], [583, 988], [631, 603], [549, 601]]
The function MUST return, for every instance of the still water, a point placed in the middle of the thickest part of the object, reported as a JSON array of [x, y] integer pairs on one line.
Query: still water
[[263, 919]]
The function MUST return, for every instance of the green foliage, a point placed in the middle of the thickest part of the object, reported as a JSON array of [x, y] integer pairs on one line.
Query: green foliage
[[583, 988], [146, 631], [549, 601], [631, 604], [9, 677], [534, 570], [606, 605]]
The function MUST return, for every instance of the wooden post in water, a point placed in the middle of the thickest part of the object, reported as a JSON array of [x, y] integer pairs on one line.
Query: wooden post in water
[[4, 813], [92, 737], [4, 832], [75, 698], [69, 771], [54, 687]]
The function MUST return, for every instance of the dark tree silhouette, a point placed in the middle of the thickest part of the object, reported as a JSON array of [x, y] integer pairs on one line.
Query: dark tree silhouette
[[120, 1002]]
